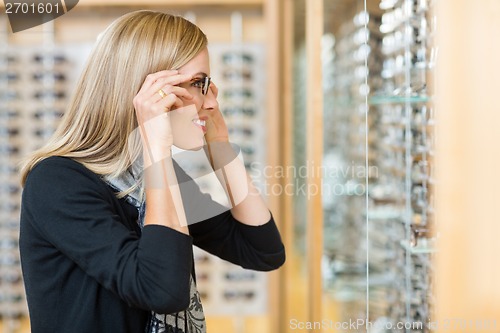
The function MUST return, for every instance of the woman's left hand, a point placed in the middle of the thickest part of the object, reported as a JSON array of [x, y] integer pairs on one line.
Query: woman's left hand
[[215, 123]]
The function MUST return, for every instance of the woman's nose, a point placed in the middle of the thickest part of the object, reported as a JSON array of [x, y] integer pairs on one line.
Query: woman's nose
[[209, 102]]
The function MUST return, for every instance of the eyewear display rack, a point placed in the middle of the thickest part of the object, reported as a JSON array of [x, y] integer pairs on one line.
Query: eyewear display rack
[[352, 72], [225, 288], [363, 244], [382, 255], [38, 69], [35, 83], [405, 108]]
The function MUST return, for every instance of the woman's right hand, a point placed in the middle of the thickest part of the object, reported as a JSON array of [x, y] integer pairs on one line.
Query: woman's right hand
[[152, 106]]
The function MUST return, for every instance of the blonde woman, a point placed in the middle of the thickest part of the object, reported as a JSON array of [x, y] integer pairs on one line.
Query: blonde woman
[[108, 219]]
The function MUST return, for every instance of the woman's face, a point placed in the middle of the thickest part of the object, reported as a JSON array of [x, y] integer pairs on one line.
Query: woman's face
[[188, 126]]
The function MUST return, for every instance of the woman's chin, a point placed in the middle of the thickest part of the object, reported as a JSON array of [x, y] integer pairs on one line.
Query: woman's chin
[[196, 148], [193, 146]]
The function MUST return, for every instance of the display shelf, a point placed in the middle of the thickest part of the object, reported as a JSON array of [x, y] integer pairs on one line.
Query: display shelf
[[177, 3], [166, 3], [354, 290], [379, 100], [424, 246], [213, 16], [385, 214]]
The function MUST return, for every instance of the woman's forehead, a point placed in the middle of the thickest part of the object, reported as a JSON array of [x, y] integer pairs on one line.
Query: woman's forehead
[[199, 64]]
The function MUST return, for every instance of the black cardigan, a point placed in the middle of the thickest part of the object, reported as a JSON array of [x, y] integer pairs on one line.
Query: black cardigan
[[87, 266]]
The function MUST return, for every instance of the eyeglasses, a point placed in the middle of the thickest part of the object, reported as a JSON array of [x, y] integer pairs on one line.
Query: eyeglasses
[[10, 258], [232, 110], [8, 114], [244, 131], [6, 132], [240, 276], [48, 58], [233, 74], [5, 168], [420, 172], [10, 189], [238, 93], [49, 114], [8, 59], [232, 295], [9, 149], [201, 258], [203, 276], [203, 294], [10, 224], [203, 84], [48, 76], [418, 232], [49, 94], [249, 150], [10, 207], [237, 58], [9, 95], [43, 132], [9, 76], [10, 277]]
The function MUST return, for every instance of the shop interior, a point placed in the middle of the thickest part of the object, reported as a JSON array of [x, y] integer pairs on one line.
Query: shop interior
[[370, 127]]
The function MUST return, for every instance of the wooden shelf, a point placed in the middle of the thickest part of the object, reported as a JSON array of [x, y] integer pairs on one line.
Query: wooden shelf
[[173, 3], [177, 3]]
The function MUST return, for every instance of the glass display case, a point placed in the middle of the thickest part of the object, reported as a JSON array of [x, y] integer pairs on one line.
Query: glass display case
[[376, 164], [378, 155]]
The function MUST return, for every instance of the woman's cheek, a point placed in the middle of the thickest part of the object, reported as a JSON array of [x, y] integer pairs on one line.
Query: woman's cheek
[[185, 133]]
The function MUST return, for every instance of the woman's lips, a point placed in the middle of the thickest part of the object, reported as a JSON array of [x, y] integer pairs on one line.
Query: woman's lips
[[201, 124]]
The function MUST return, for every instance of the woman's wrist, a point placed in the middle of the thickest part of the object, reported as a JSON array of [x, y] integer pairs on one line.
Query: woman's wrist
[[222, 138], [155, 153], [156, 138]]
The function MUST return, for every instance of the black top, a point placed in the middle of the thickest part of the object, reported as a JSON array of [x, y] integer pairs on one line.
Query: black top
[[87, 266]]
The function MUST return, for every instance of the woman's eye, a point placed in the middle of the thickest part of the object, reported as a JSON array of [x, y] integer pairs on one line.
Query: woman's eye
[[197, 84]]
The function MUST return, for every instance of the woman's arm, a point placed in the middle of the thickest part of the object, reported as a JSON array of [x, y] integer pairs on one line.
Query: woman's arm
[[157, 96], [252, 247], [76, 216], [215, 229], [247, 205]]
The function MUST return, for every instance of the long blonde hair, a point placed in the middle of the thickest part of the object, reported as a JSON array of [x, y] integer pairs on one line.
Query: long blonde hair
[[95, 129]]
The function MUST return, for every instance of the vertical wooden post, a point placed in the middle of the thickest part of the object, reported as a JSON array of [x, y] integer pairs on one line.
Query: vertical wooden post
[[286, 156], [468, 162], [272, 12], [314, 120]]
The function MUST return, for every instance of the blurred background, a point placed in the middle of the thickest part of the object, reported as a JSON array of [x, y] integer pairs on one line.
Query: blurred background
[[370, 126]]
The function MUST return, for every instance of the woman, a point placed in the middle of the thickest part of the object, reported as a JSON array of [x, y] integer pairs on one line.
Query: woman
[[108, 219]]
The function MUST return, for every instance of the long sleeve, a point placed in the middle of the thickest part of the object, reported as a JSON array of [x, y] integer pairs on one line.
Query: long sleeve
[[215, 230], [73, 211]]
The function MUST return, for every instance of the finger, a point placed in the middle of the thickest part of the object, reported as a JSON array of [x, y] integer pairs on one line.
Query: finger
[[214, 89], [178, 104], [153, 77], [164, 84], [172, 80], [169, 103], [157, 109], [177, 79], [178, 91], [148, 108]]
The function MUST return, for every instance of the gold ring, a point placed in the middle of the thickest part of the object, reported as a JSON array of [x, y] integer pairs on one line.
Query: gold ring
[[162, 93], [167, 109]]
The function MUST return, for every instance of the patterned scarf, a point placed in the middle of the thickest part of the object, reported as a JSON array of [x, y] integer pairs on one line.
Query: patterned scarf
[[191, 320]]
